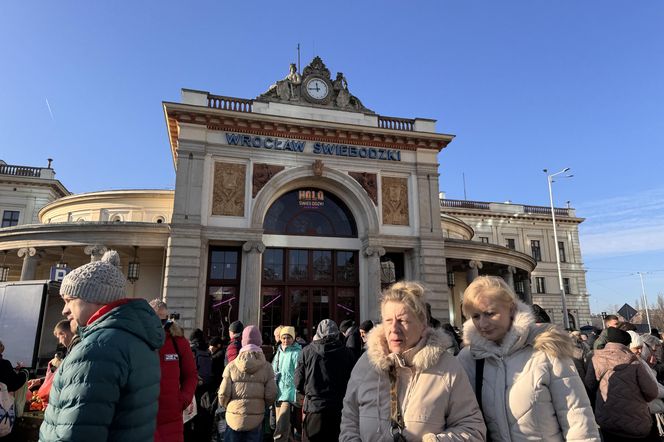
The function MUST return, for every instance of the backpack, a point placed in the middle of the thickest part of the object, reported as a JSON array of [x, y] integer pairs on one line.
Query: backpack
[[7, 411], [204, 366]]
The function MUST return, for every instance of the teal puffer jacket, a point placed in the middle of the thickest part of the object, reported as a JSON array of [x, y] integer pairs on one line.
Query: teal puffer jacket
[[284, 363], [107, 389]]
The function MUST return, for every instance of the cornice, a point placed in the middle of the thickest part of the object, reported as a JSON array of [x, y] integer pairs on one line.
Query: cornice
[[288, 127], [55, 185], [521, 216], [465, 249]]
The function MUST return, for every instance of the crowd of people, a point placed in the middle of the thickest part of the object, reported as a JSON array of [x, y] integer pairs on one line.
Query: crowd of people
[[127, 373]]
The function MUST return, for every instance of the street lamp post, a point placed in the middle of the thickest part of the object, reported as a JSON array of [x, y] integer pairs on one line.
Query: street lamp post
[[549, 179], [645, 299]]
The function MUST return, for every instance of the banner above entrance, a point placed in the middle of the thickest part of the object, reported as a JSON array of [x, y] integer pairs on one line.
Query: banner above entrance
[[318, 148]]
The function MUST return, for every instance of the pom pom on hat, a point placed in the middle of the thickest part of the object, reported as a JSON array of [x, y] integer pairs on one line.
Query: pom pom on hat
[[637, 341], [98, 282]]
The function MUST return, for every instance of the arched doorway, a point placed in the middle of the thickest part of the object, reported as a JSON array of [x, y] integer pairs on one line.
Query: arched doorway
[[300, 286]]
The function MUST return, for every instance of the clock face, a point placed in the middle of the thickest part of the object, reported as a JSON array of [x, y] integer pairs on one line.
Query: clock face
[[317, 88]]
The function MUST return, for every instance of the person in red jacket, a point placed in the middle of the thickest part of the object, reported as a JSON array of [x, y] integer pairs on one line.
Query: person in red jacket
[[178, 378]]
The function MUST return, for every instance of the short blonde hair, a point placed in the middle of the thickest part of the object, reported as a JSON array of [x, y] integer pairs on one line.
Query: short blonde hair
[[487, 287], [409, 293]]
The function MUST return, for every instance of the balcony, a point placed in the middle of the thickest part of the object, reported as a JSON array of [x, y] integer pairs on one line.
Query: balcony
[[24, 171], [505, 208]]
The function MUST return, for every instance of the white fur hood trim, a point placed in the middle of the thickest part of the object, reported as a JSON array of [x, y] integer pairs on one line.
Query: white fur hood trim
[[436, 342], [548, 338]]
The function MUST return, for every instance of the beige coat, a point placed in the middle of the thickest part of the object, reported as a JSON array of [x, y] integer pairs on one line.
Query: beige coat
[[248, 386], [531, 390], [434, 394]]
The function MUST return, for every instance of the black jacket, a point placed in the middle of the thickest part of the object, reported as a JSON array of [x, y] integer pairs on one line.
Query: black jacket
[[322, 374], [10, 377]]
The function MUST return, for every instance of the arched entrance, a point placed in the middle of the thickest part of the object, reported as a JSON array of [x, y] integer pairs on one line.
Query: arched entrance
[[313, 278]]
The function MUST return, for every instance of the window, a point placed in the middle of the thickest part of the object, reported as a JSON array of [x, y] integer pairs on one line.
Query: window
[[484, 239], [10, 218], [566, 286], [224, 265], [540, 287], [561, 250], [511, 244], [536, 250]]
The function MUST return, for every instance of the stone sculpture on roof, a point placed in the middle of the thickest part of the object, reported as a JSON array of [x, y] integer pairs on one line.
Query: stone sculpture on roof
[[314, 87]]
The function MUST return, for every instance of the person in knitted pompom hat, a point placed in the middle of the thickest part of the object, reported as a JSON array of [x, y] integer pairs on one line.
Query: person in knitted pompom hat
[[108, 386]]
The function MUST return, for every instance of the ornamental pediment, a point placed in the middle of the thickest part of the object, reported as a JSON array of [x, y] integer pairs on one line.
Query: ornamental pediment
[[314, 87]]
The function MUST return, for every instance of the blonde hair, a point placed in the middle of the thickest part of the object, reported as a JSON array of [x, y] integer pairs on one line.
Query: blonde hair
[[409, 293], [487, 287]]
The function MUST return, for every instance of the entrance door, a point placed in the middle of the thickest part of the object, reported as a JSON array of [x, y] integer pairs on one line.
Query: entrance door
[[302, 287]]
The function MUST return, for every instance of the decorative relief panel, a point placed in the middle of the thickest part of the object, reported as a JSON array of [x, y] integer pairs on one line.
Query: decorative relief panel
[[368, 183], [262, 174], [395, 201], [228, 193]]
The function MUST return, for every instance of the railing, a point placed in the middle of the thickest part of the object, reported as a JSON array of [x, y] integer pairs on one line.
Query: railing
[[8, 169], [229, 103], [542, 210], [464, 204], [395, 123]]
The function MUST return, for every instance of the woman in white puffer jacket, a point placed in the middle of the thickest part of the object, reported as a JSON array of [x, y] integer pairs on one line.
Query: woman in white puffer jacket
[[529, 389]]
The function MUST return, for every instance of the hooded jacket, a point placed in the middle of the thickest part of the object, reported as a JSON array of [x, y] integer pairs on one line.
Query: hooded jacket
[[322, 373], [624, 388], [530, 389], [284, 363], [246, 389], [434, 394], [107, 388], [177, 386]]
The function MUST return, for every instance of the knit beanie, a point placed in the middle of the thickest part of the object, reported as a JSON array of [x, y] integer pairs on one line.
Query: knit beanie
[[236, 327], [98, 282], [251, 335], [287, 330], [618, 336], [637, 341]]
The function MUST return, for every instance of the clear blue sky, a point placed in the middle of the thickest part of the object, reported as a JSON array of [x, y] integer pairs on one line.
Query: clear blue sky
[[524, 85]]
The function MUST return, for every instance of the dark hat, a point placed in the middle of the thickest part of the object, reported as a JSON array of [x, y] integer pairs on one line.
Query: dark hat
[[236, 327], [345, 325], [619, 336], [366, 325], [541, 316]]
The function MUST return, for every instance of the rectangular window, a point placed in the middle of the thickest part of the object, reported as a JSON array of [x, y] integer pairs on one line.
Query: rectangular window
[[273, 265], [322, 265], [484, 239], [540, 287], [224, 264], [346, 271], [10, 218], [561, 250], [298, 265], [566, 286], [511, 244], [536, 250]]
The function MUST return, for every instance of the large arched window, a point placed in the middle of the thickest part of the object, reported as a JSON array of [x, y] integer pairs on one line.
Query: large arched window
[[309, 212]]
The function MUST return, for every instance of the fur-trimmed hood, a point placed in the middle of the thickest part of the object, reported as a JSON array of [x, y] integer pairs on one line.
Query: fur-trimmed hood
[[425, 354], [524, 331]]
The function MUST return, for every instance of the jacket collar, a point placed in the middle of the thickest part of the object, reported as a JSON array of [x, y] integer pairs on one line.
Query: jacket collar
[[523, 332], [424, 355]]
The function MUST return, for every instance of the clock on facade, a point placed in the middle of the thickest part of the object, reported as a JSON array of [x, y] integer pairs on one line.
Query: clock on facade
[[317, 88]]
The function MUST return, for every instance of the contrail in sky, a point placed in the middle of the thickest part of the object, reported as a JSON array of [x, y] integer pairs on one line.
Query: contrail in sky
[[49, 110]]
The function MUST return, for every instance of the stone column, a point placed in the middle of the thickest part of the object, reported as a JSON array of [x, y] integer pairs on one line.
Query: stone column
[[473, 271], [30, 258], [508, 276], [373, 254], [527, 295], [95, 251], [250, 299]]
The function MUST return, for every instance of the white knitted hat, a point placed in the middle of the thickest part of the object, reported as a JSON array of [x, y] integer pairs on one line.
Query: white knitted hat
[[98, 282]]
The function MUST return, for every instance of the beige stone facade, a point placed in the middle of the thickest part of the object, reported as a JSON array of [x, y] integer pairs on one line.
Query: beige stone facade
[[287, 209]]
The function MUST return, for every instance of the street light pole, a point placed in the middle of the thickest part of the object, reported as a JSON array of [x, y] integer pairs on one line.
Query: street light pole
[[549, 179], [645, 299]]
